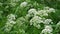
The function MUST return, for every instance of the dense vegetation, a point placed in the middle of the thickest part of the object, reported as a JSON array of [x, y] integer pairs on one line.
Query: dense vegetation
[[29, 16]]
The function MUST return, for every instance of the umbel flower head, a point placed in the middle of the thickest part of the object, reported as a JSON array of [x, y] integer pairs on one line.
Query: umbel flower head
[[48, 30], [42, 13], [35, 21], [23, 4], [32, 12], [46, 11], [11, 17], [47, 21], [10, 22]]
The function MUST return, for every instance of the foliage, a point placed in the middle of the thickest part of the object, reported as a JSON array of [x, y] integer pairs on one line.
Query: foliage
[[29, 16]]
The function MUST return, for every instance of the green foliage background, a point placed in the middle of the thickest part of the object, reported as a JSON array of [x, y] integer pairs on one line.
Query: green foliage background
[[6, 9]]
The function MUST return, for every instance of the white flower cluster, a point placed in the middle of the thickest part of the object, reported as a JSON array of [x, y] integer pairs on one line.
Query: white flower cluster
[[35, 21], [47, 30], [10, 22], [37, 16], [47, 21], [23, 4], [42, 13], [45, 11], [49, 10], [32, 12]]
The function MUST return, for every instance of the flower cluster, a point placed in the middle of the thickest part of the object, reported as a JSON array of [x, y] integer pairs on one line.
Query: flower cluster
[[47, 21], [45, 11], [10, 22], [38, 16], [23, 4], [47, 30], [35, 21], [33, 17], [32, 12]]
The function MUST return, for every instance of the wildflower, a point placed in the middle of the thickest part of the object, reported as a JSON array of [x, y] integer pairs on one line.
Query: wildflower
[[9, 26], [48, 30], [32, 12], [48, 27], [42, 13], [47, 21], [23, 4], [10, 22], [11, 17], [52, 10], [35, 21]]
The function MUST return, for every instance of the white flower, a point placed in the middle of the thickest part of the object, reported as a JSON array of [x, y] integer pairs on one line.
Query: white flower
[[10, 22], [32, 12], [9, 25], [48, 30], [11, 17], [52, 10], [42, 13], [48, 27], [47, 21], [35, 21], [23, 4]]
